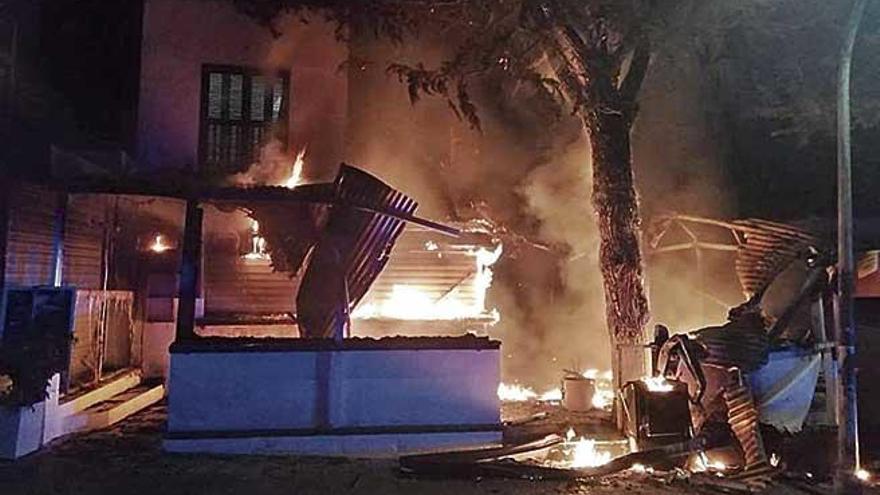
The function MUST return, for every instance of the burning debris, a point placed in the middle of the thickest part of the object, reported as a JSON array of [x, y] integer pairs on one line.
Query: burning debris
[[344, 232], [696, 418], [515, 393], [598, 391]]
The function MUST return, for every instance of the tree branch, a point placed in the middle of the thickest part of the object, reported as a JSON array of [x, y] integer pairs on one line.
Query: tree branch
[[635, 75]]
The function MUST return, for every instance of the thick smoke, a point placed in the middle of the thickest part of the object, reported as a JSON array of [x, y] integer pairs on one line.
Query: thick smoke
[[529, 171], [274, 166]]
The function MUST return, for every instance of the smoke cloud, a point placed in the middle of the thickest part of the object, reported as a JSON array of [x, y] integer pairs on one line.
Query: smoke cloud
[[529, 171]]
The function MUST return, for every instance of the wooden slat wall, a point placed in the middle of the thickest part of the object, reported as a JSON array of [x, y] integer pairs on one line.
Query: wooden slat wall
[[83, 240], [235, 285], [29, 250], [30, 255], [433, 273], [445, 270]]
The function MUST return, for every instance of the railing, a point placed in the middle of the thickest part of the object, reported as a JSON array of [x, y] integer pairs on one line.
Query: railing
[[104, 335]]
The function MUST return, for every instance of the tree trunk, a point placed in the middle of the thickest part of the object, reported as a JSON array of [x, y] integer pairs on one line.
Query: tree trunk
[[617, 213]]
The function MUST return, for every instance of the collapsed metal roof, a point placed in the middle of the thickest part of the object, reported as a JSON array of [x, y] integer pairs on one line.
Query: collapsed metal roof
[[340, 244], [764, 249]]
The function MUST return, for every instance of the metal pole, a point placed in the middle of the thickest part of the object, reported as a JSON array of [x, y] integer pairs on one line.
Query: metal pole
[[847, 439]]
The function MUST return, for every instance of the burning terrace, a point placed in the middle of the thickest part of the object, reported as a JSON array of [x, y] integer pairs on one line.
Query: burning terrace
[[372, 343]]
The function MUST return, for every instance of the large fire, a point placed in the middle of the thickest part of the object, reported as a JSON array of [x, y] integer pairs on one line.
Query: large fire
[[584, 452], [579, 452], [515, 393], [409, 302], [603, 395]]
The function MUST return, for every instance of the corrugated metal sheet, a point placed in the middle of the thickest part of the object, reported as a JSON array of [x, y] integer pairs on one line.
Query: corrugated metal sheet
[[435, 265], [742, 416], [868, 264], [29, 249], [763, 248], [767, 248], [353, 250], [741, 343]]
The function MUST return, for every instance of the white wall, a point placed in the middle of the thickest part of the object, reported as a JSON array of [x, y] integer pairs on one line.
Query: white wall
[[252, 391], [179, 36]]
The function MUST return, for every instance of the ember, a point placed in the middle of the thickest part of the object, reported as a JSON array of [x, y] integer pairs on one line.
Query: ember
[[603, 395], [703, 463]]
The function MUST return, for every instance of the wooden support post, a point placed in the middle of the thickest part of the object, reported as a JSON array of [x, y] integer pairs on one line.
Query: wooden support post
[[189, 272]]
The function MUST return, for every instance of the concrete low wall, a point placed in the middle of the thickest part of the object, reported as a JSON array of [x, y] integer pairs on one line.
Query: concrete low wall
[[374, 397], [158, 337]]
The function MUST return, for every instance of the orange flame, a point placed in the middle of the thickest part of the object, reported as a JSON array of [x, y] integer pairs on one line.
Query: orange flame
[[657, 384], [159, 245], [409, 302], [515, 393], [296, 171]]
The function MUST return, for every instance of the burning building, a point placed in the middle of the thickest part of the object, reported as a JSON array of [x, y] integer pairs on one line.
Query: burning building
[[117, 231], [300, 313]]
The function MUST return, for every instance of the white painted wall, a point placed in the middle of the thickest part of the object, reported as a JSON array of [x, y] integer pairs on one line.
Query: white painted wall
[[24, 430], [242, 391], [158, 337]]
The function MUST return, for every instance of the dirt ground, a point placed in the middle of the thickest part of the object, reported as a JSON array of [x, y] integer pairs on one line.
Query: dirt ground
[[127, 459]]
